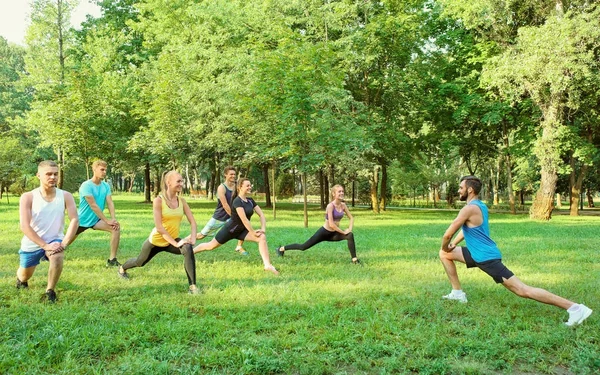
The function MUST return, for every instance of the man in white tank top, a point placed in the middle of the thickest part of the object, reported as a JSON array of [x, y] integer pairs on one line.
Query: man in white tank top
[[42, 218]]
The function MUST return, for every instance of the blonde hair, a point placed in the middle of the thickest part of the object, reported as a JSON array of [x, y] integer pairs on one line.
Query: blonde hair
[[333, 189], [163, 183], [99, 162]]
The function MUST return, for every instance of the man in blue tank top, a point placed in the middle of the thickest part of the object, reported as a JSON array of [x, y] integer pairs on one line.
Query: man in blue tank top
[[223, 210], [481, 251]]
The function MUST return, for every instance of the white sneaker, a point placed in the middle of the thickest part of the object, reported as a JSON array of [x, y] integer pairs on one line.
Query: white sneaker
[[462, 297], [577, 317]]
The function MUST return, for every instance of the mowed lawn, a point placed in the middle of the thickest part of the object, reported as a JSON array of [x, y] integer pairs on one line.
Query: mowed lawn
[[322, 315]]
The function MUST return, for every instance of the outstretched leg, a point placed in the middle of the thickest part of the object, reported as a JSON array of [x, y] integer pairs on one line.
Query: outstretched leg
[[515, 285], [211, 245], [320, 235]]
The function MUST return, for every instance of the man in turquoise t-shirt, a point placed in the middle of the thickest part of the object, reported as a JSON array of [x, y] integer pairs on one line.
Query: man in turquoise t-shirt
[[481, 252], [94, 195]]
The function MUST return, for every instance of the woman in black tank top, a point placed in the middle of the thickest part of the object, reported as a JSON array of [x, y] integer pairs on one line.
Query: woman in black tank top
[[243, 207]]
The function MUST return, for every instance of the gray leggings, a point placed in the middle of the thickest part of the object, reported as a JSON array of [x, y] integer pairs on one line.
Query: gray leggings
[[149, 251]]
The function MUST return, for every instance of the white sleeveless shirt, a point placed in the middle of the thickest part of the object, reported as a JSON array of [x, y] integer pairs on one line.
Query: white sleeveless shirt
[[47, 219]]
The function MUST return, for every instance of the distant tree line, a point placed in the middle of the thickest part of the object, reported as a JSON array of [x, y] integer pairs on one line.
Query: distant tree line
[[392, 99]]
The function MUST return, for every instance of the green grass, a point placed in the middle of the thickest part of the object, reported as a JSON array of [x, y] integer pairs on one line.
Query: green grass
[[321, 316]]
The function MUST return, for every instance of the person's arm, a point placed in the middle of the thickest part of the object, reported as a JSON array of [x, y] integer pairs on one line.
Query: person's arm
[[111, 209], [263, 221], [242, 214], [92, 203], [157, 212], [191, 239], [462, 218], [223, 199], [458, 239], [73, 220], [25, 224], [330, 220]]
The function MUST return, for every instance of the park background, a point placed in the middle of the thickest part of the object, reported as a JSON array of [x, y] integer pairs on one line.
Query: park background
[[395, 100]]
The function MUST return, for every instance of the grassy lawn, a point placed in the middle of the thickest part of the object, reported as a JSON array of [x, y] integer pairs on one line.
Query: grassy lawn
[[322, 315]]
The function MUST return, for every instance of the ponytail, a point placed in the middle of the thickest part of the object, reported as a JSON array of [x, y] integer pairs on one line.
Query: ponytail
[[163, 182]]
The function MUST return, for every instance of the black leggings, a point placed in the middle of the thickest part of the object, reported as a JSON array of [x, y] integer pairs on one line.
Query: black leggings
[[324, 235], [149, 251]]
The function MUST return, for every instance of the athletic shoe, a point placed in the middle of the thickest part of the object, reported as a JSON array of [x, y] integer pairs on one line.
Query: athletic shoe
[[194, 290], [462, 297], [357, 262], [577, 317], [112, 263], [271, 268], [123, 274], [280, 253], [22, 284], [241, 251], [51, 296]]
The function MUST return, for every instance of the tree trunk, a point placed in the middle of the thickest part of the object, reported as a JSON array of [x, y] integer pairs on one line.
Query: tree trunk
[[353, 190], [188, 182], [213, 182], [61, 170], [511, 194], [496, 182], [331, 176], [147, 183], [548, 155], [305, 199], [274, 195], [267, 186], [575, 183], [322, 189], [132, 182], [590, 198], [157, 187], [374, 182], [383, 200]]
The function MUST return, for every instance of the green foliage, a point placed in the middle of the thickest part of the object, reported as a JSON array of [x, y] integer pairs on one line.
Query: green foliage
[[322, 315]]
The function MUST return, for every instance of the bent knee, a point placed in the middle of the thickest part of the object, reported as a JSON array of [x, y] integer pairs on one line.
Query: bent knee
[[57, 257], [186, 249]]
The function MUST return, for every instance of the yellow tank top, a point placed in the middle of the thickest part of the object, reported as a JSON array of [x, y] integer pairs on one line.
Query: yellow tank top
[[171, 220]]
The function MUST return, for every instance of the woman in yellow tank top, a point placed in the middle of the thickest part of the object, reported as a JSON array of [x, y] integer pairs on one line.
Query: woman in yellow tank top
[[169, 210]]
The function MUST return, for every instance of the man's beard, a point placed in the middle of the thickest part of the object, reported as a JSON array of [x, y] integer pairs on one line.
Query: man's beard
[[463, 197]]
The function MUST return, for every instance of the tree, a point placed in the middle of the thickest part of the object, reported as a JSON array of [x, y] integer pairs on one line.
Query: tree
[[554, 64]]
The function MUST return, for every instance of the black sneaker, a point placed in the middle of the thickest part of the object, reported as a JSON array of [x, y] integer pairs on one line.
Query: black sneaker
[[279, 252], [357, 262], [22, 284], [113, 263], [51, 296]]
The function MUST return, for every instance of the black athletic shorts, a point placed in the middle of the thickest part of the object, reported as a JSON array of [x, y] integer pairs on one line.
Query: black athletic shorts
[[83, 229], [229, 232], [493, 267]]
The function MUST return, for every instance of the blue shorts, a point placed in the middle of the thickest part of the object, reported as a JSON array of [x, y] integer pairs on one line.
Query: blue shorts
[[33, 258]]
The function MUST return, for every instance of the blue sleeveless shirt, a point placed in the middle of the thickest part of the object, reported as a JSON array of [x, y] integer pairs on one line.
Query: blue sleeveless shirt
[[479, 243], [220, 213]]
